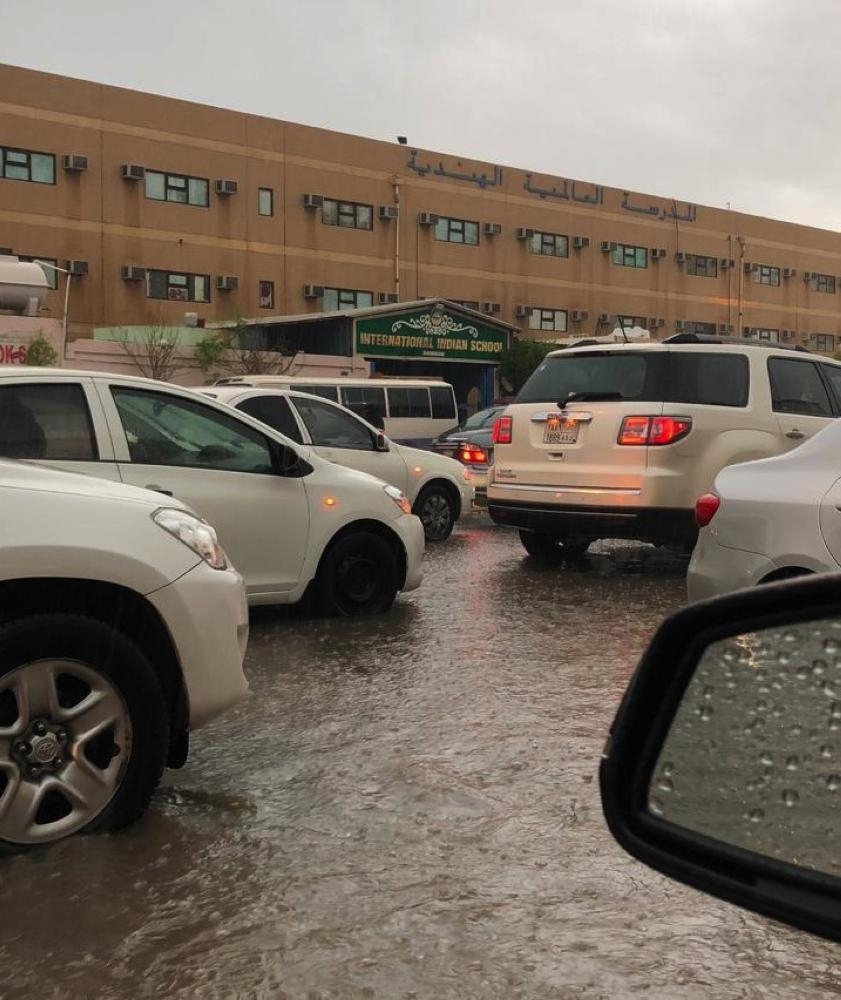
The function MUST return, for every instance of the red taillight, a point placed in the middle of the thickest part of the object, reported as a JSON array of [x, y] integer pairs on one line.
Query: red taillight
[[705, 508], [653, 430], [503, 427], [472, 454]]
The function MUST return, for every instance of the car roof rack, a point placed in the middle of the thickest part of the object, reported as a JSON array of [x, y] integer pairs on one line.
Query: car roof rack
[[586, 342], [710, 338]]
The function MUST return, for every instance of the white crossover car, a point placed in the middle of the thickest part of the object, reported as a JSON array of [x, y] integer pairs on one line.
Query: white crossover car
[[772, 519]]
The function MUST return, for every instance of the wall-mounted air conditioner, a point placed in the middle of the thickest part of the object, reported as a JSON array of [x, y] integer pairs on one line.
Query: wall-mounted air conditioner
[[313, 200], [386, 298], [313, 291], [427, 219], [131, 272], [76, 267], [387, 212], [227, 282], [132, 172], [491, 228], [580, 242], [75, 163], [226, 187]]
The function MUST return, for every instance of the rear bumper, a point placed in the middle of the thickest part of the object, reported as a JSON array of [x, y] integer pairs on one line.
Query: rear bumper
[[715, 569], [670, 526]]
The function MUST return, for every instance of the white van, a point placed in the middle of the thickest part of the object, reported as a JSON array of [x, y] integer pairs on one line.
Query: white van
[[408, 410]]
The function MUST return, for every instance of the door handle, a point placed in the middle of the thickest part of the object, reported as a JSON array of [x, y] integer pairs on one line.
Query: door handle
[[795, 434], [158, 489]]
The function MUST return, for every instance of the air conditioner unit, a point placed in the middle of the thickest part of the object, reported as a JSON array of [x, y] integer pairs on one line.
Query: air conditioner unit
[[657, 253], [491, 229], [130, 272], [580, 242], [386, 298], [313, 200], [789, 272], [748, 266], [191, 319], [725, 328], [132, 172], [226, 187], [77, 267], [524, 234], [680, 325], [606, 246], [748, 331], [521, 312], [655, 322], [681, 257], [788, 334], [313, 291], [227, 283], [427, 219], [578, 315], [807, 275], [604, 317], [725, 262], [388, 212], [75, 162], [491, 307]]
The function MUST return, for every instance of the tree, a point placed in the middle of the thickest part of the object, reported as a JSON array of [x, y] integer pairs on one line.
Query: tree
[[520, 360], [41, 352], [231, 351], [155, 352]]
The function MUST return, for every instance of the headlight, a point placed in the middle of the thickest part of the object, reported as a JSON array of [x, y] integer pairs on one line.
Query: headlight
[[399, 498], [194, 533]]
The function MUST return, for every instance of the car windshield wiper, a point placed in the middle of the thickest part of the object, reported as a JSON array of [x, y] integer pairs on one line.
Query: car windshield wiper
[[588, 397]]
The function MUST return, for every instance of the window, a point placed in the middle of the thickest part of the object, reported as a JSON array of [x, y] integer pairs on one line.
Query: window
[[797, 387], [273, 411], [349, 214], [405, 402], [265, 201], [833, 373], [548, 319], [457, 231], [824, 342], [346, 298], [367, 401], [549, 244], [702, 267], [49, 422], [628, 256], [763, 274], [167, 430], [325, 391], [50, 272], [628, 322], [707, 379], [467, 303], [178, 188], [267, 295], [330, 427], [700, 329], [177, 287], [765, 333], [23, 165], [822, 283], [443, 402]]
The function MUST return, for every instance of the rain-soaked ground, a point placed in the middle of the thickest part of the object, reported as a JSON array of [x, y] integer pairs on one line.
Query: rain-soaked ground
[[406, 808]]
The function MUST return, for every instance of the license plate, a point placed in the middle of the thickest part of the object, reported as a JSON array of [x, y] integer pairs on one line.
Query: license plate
[[560, 430]]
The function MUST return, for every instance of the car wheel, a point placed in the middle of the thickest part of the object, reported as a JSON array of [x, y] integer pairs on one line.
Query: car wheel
[[358, 576], [436, 509], [547, 548], [84, 730]]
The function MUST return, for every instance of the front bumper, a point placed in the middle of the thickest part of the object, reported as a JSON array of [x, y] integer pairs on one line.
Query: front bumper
[[207, 616], [410, 531], [715, 569]]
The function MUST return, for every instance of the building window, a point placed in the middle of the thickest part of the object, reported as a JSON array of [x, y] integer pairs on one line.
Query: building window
[[50, 272], [267, 295], [628, 322], [457, 231], [824, 342], [346, 298], [549, 244], [178, 188], [763, 333], [700, 329], [628, 256], [349, 214], [822, 283], [24, 165], [265, 201], [467, 303], [177, 287], [702, 267], [548, 319], [764, 275]]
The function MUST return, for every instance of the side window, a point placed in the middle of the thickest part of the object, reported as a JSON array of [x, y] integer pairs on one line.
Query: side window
[[49, 421], [169, 430], [367, 401], [833, 373], [325, 391], [708, 379], [274, 411], [331, 427], [796, 387], [405, 402], [443, 402]]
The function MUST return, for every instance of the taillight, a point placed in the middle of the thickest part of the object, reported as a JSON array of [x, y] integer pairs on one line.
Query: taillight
[[503, 427], [472, 454], [705, 508], [653, 430]]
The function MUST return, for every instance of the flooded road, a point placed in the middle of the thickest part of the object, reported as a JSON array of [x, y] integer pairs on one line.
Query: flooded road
[[406, 808]]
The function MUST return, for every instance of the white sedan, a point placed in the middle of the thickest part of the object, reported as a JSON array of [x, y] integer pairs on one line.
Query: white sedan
[[771, 519]]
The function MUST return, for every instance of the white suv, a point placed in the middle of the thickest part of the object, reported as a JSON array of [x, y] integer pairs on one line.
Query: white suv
[[618, 441], [122, 628]]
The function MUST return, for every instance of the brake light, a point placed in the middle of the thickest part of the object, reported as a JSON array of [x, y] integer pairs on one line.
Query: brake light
[[705, 508], [503, 427], [653, 430], [472, 454]]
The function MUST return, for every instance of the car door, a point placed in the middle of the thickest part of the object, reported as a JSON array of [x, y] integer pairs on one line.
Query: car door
[[799, 398], [220, 466], [56, 421], [340, 437]]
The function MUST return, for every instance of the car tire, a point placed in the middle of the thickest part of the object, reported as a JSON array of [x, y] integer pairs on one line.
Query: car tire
[[69, 768], [437, 511], [548, 549], [357, 576]]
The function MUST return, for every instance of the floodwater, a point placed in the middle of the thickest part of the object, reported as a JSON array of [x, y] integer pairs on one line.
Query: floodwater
[[406, 808]]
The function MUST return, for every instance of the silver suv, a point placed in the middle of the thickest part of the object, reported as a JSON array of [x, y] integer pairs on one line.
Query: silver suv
[[618, 441]]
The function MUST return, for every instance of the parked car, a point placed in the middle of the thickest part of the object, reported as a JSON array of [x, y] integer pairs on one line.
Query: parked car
[[770, 520], [122, 628], [619, 441], [472, 444], [438, 488], [293, 523]]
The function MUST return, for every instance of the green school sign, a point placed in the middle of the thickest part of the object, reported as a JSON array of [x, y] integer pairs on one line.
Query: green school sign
[[428, 333]]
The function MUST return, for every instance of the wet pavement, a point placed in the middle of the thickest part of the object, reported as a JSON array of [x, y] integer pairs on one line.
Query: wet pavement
[[406, 808]]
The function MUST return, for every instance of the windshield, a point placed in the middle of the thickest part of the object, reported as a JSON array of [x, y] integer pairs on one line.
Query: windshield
[[481, 418]]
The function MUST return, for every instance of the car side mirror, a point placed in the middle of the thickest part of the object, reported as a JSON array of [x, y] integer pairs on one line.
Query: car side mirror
[[381, 443], [723, 766]]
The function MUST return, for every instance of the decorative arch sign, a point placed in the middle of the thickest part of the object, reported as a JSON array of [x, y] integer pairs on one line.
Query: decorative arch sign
[[429, 333]]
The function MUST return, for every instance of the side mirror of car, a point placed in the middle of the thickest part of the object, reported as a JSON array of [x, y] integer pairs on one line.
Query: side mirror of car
[[723, 765], [381, 442]]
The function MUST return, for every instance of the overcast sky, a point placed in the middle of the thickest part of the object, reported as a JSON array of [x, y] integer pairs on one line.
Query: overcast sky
[[714, 102]]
